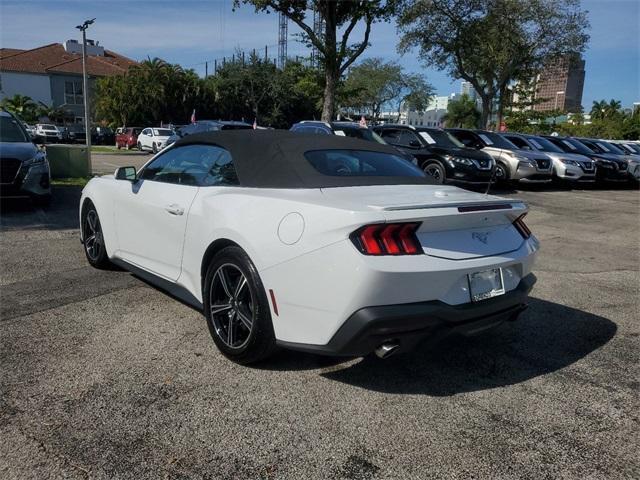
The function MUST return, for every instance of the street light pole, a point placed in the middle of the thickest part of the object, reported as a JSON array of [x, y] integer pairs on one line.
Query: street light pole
[[85, 87]]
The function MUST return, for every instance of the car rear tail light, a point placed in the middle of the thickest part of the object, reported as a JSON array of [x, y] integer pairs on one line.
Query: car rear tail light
[[387, 239], [522, 227]]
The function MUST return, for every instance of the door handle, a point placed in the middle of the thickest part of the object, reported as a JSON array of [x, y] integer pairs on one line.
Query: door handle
[[174, 209]]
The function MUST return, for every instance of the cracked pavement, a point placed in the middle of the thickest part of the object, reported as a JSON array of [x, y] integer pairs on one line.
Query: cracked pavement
[[103, 376]]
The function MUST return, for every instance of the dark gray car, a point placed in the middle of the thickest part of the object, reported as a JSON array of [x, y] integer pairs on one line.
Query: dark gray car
[[206, 126], [24, 169]]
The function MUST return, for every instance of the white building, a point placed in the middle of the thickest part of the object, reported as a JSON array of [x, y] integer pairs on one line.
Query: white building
[[467, 89]]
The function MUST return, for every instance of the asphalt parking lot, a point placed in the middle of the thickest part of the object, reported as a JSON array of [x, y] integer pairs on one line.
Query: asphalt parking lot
[[103, 376]]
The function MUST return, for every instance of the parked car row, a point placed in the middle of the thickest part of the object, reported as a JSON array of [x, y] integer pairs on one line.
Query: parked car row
[[479, 156]]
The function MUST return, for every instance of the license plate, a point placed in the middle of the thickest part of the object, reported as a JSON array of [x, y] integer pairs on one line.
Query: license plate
[[486, 284]]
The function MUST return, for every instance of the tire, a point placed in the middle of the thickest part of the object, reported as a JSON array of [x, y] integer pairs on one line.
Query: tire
[[435, 171], [139, 146], [154, 148], [239, 306], [94, 249], [501, 174], [118, 146]]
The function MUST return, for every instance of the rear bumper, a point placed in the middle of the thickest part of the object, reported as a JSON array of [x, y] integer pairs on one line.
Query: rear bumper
[[408, 324]]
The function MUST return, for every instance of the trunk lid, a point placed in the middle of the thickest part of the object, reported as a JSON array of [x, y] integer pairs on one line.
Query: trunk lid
[[455, 224]]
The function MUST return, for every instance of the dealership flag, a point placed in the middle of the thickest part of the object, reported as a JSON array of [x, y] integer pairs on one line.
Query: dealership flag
[[193, 116], [363, 121]]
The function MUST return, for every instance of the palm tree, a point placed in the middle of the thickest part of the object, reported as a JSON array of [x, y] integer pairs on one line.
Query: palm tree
[[23, 106], [599, 109]]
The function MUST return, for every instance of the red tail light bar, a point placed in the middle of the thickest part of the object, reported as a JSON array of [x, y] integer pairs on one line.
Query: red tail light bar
[[522, 227], [387, 239]]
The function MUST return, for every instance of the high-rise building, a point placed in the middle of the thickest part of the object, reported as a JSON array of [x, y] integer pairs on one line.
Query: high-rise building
[[559, 86], [467, 89]]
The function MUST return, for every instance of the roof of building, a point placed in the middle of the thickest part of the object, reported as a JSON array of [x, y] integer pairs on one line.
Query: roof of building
[[53, 58]]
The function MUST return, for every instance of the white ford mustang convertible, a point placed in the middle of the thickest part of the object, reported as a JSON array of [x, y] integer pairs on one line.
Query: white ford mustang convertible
[[317, 243]]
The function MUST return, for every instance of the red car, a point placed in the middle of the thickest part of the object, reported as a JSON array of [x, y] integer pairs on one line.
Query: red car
[[127, 137]]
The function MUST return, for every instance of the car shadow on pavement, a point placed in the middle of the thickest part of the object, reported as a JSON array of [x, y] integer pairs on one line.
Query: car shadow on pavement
[[548, 337], [21, 213]]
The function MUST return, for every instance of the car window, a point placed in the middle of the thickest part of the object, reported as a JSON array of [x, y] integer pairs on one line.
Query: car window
[[391, 135], [11, 131], [406, 137], [519, 142], [361, 133], [361, 163], [194, 165], [162, 132], [146, 131]]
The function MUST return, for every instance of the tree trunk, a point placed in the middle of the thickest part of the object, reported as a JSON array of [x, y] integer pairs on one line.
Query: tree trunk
[[486, 110], [328, 10], [501, 100], [331, 82]]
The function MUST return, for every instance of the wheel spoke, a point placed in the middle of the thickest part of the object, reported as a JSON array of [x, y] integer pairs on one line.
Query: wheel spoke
[[230, 329], [219, 307], [241, 284], [224, 281], [246, 321]]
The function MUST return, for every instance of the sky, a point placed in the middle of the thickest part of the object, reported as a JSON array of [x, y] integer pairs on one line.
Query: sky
[[190, 32]]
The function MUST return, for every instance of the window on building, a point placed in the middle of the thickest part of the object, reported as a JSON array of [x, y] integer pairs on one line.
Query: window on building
[[73, 92]]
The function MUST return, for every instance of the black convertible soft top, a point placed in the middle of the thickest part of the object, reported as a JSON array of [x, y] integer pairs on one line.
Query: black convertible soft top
[[275, 158]]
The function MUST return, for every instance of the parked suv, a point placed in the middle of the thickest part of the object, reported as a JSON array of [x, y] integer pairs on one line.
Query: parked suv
[[102, 136], [154, 139], [48, 133], [206, 126], [512, 163], [610, 167], [127, 137], [24, 170], [567, 167], [77, 133], [439, 154]]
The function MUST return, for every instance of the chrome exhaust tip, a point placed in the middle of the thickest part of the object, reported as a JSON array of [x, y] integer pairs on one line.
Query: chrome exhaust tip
[[386, 350]]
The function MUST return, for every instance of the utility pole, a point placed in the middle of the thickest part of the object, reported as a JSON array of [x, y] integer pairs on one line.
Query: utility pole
[[282, 41], [85, 88]]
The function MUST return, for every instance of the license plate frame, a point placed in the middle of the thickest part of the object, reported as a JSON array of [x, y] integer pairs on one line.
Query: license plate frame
[[485, 284]]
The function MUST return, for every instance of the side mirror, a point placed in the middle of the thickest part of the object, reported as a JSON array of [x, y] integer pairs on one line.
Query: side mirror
[[414, 144], [126, 173]]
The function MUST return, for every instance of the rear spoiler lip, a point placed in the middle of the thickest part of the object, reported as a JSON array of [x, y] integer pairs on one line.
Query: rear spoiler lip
[[463, 207]]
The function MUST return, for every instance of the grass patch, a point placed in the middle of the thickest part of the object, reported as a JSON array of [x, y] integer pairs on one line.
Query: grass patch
[[69, 182], [110, 149]]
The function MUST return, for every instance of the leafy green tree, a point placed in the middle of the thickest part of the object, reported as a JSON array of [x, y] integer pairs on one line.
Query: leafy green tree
[[462, 113], [602, 110], [22, 106], [489, 43], [339, 19], [374, 83]]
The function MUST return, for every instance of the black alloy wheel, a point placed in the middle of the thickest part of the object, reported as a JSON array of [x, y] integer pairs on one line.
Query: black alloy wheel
[[93, 239], [435, 171], [236, 307]]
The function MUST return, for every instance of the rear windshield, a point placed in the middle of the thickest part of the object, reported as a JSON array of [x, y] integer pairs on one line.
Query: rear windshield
[[11, 131], [361, 133], [441, 138], [494, 140], [544, 145], [162, 132], [576, 146], [361, 163], [236, 127], [608, 147]]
